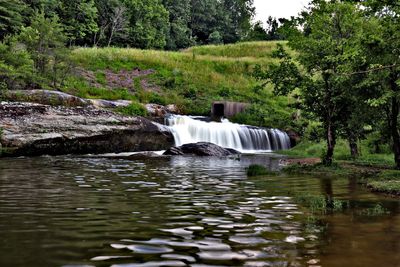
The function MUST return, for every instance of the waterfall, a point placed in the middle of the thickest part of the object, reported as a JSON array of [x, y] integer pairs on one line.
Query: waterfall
[[186, 129]]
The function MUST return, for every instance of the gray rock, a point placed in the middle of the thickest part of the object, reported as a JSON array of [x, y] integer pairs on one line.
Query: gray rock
[[46, 97], [35, 129], [101, 103], [201, 149]]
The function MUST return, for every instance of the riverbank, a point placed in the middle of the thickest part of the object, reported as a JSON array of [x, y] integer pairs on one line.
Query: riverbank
[[377, 178]]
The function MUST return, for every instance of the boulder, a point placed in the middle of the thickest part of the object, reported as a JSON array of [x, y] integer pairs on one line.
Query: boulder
[[35, 129], [201, 149]]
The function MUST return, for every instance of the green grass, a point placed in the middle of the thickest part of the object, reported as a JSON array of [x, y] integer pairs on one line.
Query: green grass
[[192, 79], [375, 170], [310, 149], [319, 204], [387, 181], [242, 50]]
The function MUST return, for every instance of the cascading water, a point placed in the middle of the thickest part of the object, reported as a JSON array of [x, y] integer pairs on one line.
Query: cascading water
[[186, 129]]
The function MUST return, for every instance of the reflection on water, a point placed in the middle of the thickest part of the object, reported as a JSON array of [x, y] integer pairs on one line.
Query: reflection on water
[[182, 211]]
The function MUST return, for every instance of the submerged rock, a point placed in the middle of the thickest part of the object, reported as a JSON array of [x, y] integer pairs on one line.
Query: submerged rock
[[201, 149], [36, 129]]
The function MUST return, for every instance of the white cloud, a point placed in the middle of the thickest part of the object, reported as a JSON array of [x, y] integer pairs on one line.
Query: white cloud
[[278, 8]]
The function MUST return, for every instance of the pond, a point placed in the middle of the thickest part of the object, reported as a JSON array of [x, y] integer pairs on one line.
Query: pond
[[186, 211]]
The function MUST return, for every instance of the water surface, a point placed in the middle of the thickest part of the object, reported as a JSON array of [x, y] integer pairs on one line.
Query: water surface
[[184, 211]]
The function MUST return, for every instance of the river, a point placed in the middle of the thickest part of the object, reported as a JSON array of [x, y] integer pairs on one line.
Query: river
[[185, 211]]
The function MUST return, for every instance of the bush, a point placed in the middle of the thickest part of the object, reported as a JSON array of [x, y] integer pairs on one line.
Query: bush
[[134, 109], [215, 38]]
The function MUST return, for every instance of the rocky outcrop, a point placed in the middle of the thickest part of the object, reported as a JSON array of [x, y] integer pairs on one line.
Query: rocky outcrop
[[201, 149], [36, 129], [46, 97]]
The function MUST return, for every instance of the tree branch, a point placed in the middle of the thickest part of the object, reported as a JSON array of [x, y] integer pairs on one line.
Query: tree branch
[[371, 70]]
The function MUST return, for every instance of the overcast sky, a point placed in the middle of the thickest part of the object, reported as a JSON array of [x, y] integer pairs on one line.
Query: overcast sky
[[278, 8]]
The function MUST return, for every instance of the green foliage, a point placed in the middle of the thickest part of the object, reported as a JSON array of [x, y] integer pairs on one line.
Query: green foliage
[[16, 65], [78, 17], [329, 48], [11, 19], [42, 40], [180, 34], [215, 38], [112, 22], [134, 109], [258, 33], [149, 23], [258, 170]]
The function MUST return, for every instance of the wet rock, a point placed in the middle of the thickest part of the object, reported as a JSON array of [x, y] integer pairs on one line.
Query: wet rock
[[201, 149], [35, 129]]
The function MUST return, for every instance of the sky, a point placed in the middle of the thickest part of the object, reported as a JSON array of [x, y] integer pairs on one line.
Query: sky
[[278, 8]]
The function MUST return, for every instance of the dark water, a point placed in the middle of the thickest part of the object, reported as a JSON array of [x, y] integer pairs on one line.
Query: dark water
[[183, 211]]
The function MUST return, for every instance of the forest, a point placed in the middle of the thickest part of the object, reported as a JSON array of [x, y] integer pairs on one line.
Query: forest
[[145, 24]]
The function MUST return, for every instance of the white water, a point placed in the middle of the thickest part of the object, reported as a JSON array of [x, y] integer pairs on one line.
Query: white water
[[187, 130]]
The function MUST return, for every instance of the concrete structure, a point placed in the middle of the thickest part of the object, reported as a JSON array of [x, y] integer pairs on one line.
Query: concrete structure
[[227, 109]]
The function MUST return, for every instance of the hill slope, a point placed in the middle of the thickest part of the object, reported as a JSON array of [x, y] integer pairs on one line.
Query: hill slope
[[192, 78]]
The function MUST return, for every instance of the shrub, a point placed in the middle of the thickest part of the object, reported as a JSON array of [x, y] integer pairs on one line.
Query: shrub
[[134, 109], [215, 38]]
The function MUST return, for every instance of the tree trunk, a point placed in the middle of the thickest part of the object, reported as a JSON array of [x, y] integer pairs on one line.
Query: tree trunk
[[331, 142], [393, 120], [395, 132], [352, 139]]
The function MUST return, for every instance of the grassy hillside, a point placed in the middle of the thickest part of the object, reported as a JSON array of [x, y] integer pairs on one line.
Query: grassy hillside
[[192, 78]]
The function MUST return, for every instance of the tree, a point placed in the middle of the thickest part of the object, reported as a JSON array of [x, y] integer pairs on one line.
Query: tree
[[326, 50], [381, 47], [231, 18], [272, 29], [149, 23], [42, 39], [112, 21], [203, 19], [16, 65], [179, 35], [11, 19], [258, 33], [79, 18], [240, 13]]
